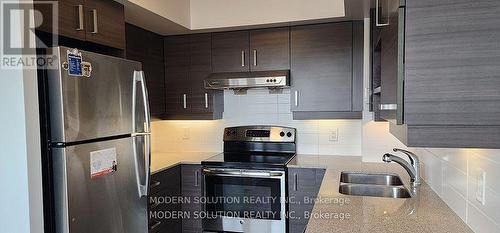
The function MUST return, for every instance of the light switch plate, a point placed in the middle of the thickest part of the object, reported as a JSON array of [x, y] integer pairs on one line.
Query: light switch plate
[[334, 135], [185, 134], [481, 187]]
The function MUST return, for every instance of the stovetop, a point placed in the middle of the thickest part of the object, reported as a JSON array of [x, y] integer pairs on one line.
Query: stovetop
[[253, 160], [256, 147]]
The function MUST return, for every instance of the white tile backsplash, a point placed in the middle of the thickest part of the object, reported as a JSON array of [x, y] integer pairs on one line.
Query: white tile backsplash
[[453, 174], [479, 222], [259, 107], [455, 201]]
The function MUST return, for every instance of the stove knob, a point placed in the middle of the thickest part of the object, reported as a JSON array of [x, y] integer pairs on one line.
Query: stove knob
[[288, 134], [282, 134]]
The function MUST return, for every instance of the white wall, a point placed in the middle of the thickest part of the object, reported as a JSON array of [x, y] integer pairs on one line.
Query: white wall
[[206, 14], [20, 165], [177, 11]]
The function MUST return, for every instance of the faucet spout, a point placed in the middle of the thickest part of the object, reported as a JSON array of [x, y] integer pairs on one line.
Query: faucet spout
[[412, 170]]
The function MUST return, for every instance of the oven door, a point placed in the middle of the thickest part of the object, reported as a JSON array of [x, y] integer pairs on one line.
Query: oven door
[[244, 200]]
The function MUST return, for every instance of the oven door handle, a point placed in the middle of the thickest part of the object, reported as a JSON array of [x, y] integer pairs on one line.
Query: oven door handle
[[243, 173]]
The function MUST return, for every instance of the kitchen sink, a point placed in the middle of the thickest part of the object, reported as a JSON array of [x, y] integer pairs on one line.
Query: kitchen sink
[[370, 178], [372, 185], [374, 190]]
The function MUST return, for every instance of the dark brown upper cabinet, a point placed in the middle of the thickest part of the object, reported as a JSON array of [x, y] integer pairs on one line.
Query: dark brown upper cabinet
[[177, 84], [147, 47], [105, 23], [270, 49], [391, 60], [71, 20], [326, 73], [255, 50], [200, 67], [440, 81], [98, 21], [188, 62], [230, 51]]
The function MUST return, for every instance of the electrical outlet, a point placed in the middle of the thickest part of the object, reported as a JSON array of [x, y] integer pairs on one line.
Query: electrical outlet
[[185, 134], [334, 135], [481, 187]]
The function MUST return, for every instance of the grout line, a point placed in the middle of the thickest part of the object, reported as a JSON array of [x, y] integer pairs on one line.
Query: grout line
[[468, 192], [485, 215]]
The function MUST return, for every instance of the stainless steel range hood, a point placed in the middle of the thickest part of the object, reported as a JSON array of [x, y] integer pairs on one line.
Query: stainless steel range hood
[[244, 80]]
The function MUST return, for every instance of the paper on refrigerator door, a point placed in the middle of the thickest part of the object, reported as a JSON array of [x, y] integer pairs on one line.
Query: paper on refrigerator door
[[103, 162]]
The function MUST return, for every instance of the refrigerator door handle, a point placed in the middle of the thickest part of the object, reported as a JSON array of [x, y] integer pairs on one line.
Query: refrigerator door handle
[[142, 188], [139, 77]]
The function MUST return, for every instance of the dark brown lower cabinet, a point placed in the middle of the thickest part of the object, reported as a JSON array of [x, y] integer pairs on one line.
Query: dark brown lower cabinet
[[303, 185], [164, 185], [180, 181], [191, 181]]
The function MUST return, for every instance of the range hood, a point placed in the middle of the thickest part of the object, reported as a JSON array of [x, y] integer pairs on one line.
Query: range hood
[[244, 80]]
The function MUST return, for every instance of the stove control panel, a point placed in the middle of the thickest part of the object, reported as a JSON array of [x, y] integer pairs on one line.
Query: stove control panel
[[260, 134]]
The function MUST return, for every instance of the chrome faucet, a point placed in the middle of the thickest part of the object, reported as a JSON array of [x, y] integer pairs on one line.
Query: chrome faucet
[[413, 168]]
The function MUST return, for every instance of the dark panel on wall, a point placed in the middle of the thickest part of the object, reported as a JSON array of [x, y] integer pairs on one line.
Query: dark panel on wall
[[147, 47]]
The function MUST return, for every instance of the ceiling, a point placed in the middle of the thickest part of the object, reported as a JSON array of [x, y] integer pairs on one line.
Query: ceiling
[[159, 22]]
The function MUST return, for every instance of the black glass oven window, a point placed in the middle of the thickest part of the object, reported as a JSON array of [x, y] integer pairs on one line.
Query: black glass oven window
[[243, 197], [258, 133]]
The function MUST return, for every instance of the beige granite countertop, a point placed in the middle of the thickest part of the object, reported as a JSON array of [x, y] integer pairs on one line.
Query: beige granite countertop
[[424, 212], [165, 160]]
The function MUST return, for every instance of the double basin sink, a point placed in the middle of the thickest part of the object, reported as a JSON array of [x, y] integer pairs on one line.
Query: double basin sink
[[372, 185]]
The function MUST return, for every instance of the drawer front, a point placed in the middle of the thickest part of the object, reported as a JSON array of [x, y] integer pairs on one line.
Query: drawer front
[[165, 180]]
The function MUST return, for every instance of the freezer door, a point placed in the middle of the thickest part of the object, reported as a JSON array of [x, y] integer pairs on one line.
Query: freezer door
[[83, 108], [89, 198]]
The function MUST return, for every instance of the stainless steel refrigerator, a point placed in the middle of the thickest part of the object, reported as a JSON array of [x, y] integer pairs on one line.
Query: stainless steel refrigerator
[[99, 142]]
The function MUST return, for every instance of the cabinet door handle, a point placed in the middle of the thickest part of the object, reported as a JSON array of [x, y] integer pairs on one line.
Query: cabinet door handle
[[196, 178], [184, 99], [386, 107], [156, 183], [295, 181], [242, 57], [153, 206], [255, 57], [155, 225], [296, 98], [206, 100], [377, 16], [80, 18], [95, 30]]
